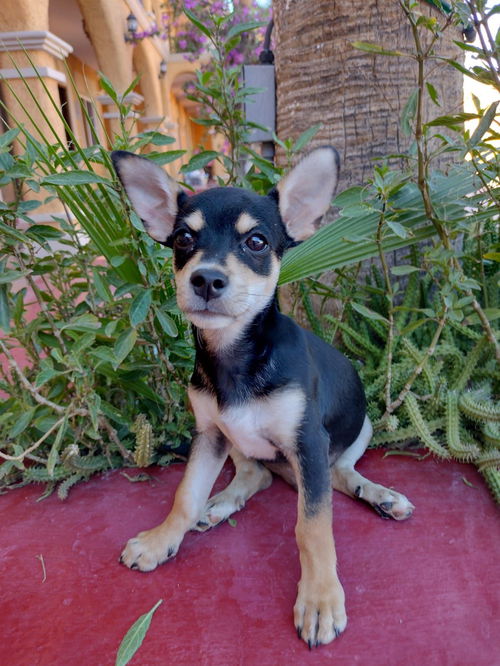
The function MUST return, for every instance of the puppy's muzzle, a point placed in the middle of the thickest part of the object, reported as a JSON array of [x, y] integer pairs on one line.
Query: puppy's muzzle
[[208, 283]]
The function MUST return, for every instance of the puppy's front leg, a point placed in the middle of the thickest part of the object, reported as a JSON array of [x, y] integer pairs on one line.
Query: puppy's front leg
[[319, 612], [149, 549]]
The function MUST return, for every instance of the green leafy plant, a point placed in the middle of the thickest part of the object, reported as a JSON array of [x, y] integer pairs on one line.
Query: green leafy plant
[[90, 302], [220, 91]]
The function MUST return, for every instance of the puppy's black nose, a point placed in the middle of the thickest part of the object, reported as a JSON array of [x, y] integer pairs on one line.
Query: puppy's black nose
[[208, 283]]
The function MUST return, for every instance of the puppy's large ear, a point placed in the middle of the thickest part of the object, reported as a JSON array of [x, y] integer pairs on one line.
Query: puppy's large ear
[[306, 192], [151, 191]]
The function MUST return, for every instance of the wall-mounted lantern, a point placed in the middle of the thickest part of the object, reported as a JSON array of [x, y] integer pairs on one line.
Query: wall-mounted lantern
[[132, 25], [163, 69]]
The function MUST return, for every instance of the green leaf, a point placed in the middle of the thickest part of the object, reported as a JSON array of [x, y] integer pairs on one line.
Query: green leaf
[[7, 138], [375, 48], [107, 86], [433, 94], [22, 423], [243, 27], [44, 232], [366, 312], [398, 229], [166, 157], [54, 451], [85, 322], [157, 138], [414, 325], [484, 124], [117, 261], [124, 345], [134, 637], [46, 375], [404, 270], [4, 309], [74, 178], [9, 276], [94, 405], [101, 286], [139, 307], [353, 195], [14, 233], [196, 21], [104, 354], [199, 161], [305, 137], [452, 120], [408, 112], [167, 323], [84, 341]]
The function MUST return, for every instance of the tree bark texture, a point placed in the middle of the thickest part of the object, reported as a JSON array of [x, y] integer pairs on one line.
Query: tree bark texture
[[357, 96]]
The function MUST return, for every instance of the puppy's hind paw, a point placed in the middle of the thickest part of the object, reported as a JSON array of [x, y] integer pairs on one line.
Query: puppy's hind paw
[[395, 506]]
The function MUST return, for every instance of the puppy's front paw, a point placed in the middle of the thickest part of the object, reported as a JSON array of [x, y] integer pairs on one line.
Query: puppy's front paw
[[218, 509], [319, 612], [149, 549]]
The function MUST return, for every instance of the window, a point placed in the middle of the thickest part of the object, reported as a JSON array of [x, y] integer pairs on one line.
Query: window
[[90, 122], [63, 97]]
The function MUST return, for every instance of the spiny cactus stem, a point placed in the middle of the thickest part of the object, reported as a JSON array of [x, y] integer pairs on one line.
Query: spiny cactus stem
[[407, 387]]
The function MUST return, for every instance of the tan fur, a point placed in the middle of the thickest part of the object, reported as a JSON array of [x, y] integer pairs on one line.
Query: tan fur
[[152, 547], [195, 221], [250, 477], [245, 223], [247, 294], [319, 611]]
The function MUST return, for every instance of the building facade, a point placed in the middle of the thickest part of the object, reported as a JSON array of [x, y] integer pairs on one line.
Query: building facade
[[64, 44]]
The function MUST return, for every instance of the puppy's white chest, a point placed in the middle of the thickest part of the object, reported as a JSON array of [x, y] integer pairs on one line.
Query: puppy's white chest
[[258, 427]]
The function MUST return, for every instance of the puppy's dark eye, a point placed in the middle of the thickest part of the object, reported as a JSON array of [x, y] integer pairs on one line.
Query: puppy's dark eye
[[256, 243], [184, 240]]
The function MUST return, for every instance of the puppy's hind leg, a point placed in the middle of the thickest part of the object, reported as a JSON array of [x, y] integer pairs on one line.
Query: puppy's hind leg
[[250, 477], [387, 503]]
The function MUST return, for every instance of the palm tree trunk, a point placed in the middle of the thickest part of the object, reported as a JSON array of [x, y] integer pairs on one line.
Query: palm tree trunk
[[357, 96]]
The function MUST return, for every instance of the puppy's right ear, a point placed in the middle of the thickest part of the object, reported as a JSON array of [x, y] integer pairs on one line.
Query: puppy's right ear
[[151, 191]]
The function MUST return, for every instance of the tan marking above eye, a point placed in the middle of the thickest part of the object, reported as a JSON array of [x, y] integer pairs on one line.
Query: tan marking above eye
[[245, 223], [195, 221]]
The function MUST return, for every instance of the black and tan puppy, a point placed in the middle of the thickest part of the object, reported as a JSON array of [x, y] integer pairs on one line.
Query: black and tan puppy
[[268, 393]]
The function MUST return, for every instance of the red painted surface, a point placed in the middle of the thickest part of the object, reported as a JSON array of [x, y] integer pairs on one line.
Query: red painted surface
[[423, 592]]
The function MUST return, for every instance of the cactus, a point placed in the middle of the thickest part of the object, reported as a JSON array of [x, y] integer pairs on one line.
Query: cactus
[[143, 454], [65, 486], [459, 448], [471, 362], [422, 428], [355, 335], [403, 434], [491, 434], [41, 475], [492, 478], [478, 406]]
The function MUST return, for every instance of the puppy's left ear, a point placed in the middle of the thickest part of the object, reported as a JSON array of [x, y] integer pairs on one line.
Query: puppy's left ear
[[306, 192]]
